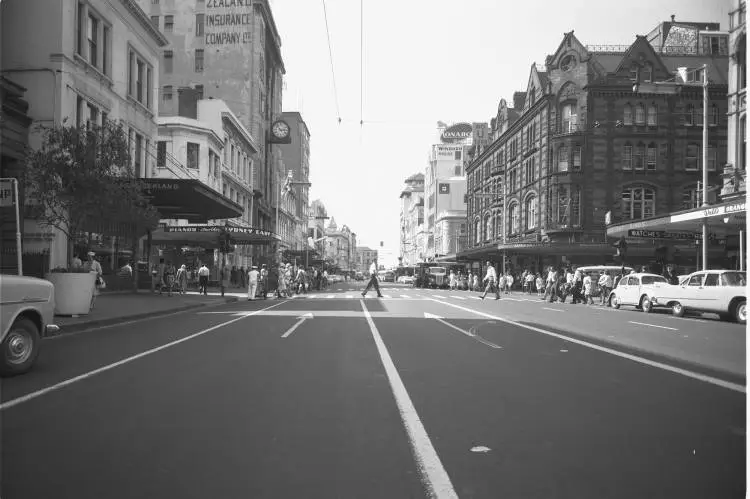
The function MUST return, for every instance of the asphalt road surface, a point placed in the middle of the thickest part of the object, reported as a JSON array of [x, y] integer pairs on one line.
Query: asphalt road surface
[[420, 394]]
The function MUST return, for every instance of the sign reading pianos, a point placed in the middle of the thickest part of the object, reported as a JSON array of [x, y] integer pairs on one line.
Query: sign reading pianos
[[240, 235]]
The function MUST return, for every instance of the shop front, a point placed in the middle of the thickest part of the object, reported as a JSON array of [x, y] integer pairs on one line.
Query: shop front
[[677, 238]]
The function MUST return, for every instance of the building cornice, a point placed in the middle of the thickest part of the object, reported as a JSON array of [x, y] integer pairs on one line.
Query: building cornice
[[232, 119], [145, 22]]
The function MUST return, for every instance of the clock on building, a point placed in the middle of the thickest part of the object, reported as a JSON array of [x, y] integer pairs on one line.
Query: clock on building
[[280, 132]]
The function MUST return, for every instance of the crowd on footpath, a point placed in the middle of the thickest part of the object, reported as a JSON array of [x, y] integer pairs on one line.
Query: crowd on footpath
[[555, 285], [283, 280]]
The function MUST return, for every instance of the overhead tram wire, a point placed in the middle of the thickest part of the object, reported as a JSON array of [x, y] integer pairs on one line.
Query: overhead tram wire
[[361, 60], [330, 58]]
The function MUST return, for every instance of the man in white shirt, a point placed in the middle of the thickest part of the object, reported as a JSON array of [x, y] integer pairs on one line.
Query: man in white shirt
[[373, 279], [252, 282], [491, 279], [203, 279]]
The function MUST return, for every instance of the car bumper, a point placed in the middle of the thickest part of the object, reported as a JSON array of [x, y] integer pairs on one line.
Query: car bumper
[[51, 329]]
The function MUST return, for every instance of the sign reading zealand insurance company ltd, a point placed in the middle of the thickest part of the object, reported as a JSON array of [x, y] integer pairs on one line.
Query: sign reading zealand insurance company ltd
[[228, 22]]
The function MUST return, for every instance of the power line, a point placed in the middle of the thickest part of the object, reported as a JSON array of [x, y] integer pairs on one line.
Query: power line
[[330, 58], [361, 59]]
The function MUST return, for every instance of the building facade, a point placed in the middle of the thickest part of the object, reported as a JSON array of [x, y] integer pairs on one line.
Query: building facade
[[296, 158], [229, 51], [340, 248], [364, 257], [97, 61], [412, 219], [735, 170], [586, 149]]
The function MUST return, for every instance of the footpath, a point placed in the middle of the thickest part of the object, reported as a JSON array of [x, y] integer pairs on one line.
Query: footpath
[[113, 308]]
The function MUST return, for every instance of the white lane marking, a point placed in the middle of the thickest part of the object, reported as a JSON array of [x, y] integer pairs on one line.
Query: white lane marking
[[458, 297], [350, 296], [653, 325], [700, 377], [434, 476], [329, 296], [302, 318], [404, 296], [81, 377], [553, 309], [471, 335]]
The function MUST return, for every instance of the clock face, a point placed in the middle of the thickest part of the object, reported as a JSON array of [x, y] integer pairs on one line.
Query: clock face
[[568, 63], [280, 129]]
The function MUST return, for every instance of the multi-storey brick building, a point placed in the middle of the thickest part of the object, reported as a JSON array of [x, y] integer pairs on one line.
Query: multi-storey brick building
[[412, 219], [296, 159], [586, 148], [735, 171]]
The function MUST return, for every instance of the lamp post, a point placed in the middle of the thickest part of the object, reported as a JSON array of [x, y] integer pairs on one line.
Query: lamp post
[[672, 88]]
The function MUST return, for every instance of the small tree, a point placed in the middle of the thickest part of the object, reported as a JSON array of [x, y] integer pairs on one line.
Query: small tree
[[81, 180]]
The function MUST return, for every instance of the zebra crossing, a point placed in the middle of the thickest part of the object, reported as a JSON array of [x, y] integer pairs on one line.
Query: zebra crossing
[[402, 294]]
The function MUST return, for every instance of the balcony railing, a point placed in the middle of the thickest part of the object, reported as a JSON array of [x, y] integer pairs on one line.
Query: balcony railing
[[568, 128]]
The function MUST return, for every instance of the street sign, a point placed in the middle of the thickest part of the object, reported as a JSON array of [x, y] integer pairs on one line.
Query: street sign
[[6, 193]]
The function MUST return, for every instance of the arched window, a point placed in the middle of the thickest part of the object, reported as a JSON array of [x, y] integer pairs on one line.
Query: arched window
[[569, 119], [499, 223], [627, 115], [562, 158], [640, 114], [529, 212], [648, 71], [638, 202], [488, 228], [651, 115], [741, 63], [692, 197], [513, 216], [477, 231]]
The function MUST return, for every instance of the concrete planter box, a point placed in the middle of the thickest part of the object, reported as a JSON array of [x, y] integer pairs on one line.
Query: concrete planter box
[[73, 292]]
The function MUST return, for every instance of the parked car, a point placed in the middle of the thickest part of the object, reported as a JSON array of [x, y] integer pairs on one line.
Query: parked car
[[359, 276], [721, 292], [636, 290], [406, 279], [389, 277], [27, 310]]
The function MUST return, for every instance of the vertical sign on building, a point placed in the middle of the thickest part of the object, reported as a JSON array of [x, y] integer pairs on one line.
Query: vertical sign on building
[[10, 226]]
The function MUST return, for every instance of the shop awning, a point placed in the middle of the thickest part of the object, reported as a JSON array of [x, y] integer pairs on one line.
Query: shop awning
[[189, 199], [206, 236], [555, 248], [723, 220], [489, 251]]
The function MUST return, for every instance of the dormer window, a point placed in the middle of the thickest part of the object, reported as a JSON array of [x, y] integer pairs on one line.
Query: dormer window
[[648, 75], [633, 72]]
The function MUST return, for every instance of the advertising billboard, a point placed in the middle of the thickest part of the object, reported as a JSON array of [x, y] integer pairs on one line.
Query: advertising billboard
[[457, 133]]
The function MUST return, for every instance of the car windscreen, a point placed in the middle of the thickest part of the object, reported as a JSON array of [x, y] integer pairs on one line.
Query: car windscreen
[[733, 279], [651, 279], [437, 270]]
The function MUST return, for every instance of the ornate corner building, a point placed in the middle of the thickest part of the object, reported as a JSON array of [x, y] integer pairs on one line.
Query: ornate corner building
[[581, 147], [735, 171]]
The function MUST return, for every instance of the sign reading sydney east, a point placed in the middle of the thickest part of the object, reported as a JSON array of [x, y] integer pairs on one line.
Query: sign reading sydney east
[[456, 133], [228, 22]]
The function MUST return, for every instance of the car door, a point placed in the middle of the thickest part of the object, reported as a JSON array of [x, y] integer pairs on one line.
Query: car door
[[709, 295], [622, 289], [693, 288], [634, 285]]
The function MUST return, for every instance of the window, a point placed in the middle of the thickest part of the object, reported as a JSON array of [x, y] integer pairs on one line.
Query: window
[[199, 91], [199, 20], [488, 228], [689, 115], [92, 36], [168, 61], [139, 76], [80, 28], [193, 151], [529, 212], [105, 50], [577, 158], [714, 45], [569, 118], [627, 157], [168, 24], [633, 75], [714, 115], [457, 170], [743, 144], [138, 153], [640, 152], [457, 155], [627, 115], [691, 158], [514, 219], [651, 158], [155, 21], [530, 170], [640, 114], [477, 232], [692, 197], [199, 60], [651, 118], [741, 63], [638, 202], [696, 280], [166, 94], [513, 179], [648, 71], [712, 158], [161, 154], [711, 280], [562, 159]]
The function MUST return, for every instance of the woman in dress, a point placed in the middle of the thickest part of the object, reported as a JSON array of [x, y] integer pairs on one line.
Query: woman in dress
[[182, 279], [92, 265]]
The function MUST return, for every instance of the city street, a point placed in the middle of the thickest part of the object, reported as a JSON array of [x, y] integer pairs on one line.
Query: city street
[[423, 393]]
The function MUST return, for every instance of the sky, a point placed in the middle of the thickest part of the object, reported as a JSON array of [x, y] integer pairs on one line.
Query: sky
[[425, 61]]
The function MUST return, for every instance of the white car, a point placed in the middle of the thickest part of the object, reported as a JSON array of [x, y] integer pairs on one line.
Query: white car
[[406, 279], [636, 290], [27, 310], [721, 292]]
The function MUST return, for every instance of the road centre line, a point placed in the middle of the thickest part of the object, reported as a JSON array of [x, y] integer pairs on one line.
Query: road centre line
[[434, 476], [81, 377], [553, 309], [653, 325], [690, 374]]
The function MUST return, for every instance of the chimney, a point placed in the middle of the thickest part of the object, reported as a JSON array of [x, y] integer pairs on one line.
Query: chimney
[[672, 17], [518, 100]]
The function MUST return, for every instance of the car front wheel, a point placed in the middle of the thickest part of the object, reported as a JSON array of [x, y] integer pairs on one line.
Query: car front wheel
[[20, 348], [646, 304], [677, 309], [614, 301], [740, 312]]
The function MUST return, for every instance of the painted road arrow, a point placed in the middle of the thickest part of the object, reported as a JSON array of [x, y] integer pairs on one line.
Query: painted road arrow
[[471, 335], [302, 318]]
